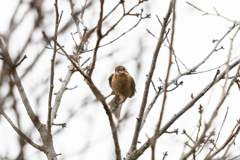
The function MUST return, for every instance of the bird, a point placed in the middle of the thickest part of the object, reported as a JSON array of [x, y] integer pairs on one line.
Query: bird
[[123, 87]]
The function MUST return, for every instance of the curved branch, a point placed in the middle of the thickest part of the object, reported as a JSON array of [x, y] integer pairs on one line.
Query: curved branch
[[20, 133]]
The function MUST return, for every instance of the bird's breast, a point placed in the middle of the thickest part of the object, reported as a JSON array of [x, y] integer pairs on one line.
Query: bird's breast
[[121, 84]]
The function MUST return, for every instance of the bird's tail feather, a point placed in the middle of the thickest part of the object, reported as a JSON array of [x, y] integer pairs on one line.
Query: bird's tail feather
[[115, 107]]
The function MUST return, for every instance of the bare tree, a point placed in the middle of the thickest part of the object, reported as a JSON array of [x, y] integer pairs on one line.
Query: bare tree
[[76, 56]]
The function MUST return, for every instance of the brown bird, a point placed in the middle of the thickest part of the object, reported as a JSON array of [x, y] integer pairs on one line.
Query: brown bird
[[123, 86]]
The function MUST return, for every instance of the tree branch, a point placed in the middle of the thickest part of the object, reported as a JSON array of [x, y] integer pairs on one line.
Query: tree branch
[[153, 143], [174, 80], [99, 38], [217, 14], [214, 114], [57, 22], [20, 133], [214, 49], [147, 84], [101, 98], [141, 150], [20, 88]]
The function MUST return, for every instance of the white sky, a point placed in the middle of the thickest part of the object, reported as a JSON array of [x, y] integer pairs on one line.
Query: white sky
[[192, 42]]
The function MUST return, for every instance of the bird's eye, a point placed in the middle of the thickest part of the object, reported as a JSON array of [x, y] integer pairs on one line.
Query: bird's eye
[[124, 69]]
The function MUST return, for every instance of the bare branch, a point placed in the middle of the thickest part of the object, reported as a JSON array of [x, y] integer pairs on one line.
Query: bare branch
[[20, 133], [75, 19], [24, 57], [153, 143], [221, 126], [214, 114], [99, 97], [57, 22], [63, 125], [141, 150], [60, 92], [20, 88], [206, 13], [124, 33], [229, 139], [174, 80], [99, 38], [147, 84], [214, 49]]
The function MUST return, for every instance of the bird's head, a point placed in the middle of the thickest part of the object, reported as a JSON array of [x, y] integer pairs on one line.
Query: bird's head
[[120, 69]]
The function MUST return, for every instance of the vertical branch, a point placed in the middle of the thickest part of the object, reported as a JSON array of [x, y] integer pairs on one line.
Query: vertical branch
[[74, 16], [59, 95], [99, 34], [166, 82], [52, 67], [147, 83]]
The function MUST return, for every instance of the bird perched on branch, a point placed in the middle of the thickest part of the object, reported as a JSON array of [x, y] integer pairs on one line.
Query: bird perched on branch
[[123, 86]]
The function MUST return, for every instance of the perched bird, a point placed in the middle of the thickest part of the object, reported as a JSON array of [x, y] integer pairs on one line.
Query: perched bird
[[123, 86]]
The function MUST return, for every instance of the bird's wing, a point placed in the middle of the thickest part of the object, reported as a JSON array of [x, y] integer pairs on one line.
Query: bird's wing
[[110, 80], [133, 86]]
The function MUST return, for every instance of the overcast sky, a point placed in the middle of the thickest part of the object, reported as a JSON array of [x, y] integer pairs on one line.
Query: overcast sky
[[89, 129]]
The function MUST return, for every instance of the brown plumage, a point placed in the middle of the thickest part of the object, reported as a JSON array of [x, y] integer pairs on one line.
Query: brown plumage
[[123, 86]]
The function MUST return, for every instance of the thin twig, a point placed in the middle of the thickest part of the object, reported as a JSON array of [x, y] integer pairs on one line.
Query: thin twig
[[57, 22], [221, 126], [24, 57], [150, 107], [214, 50], [199, 121], [225, 144], [204, 144], [78, 67], [189, 137], [71, 88], [206, 13], [60, 92], [75, 19], [165, 155], [151, 34], [215, 67], [141, 150], [154, 86], [214, 114], [99, 38], [174, 80], [124, 33]]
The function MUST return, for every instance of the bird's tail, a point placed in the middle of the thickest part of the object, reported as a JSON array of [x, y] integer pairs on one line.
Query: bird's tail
[[115, 106]]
